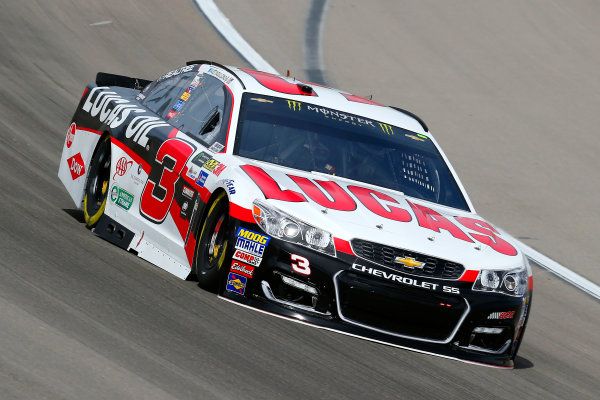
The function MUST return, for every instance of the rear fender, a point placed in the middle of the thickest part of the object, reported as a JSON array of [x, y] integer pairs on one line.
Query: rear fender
[[78, 149]]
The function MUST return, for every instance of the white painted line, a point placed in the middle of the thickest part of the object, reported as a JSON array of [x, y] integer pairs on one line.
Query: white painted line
[[224, 27], [101, 23], [313, 46], [562, 272]]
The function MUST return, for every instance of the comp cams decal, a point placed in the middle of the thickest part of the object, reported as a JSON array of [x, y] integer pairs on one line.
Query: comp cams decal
[[247, 257]]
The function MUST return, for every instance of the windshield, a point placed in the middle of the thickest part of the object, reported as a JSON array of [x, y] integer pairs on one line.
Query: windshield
[[314, 138]]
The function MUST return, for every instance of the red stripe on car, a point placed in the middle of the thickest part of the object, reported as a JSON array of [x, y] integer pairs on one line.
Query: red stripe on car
[[343, 246], [469, 276], [136, 158], [241, 213]]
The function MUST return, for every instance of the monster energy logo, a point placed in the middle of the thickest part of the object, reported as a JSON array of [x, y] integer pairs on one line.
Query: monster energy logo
[[386, 128], [292, 105]]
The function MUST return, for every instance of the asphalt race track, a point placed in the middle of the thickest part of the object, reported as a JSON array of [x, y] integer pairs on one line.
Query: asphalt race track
[[510, 89]]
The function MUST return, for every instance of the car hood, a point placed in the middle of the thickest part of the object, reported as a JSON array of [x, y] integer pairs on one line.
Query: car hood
[[383, 216]]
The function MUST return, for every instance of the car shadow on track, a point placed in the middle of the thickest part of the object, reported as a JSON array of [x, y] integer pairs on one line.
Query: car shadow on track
[[76, 214], [523, 363]]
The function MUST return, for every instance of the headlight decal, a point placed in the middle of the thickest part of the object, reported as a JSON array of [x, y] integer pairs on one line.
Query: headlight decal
[[290, 229], [512, 282]]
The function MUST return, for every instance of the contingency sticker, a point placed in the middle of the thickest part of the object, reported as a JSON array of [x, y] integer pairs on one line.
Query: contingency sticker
[[247, 258], [251, 242], [236, 283], [121, 197]]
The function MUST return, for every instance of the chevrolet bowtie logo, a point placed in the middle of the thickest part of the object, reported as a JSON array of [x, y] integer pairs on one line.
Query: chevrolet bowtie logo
[[292, 105], [409, 262]]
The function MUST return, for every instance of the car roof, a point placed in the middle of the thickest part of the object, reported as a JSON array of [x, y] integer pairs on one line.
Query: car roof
[[297, 90]]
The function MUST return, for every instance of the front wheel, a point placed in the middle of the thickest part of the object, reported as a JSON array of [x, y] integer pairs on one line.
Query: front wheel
[[212, 243], [96, 188]]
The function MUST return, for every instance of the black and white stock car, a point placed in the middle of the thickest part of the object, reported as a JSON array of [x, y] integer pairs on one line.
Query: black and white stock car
[[299, 200]]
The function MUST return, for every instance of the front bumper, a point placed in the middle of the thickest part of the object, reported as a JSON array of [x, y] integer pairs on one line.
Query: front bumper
[[354, 296]]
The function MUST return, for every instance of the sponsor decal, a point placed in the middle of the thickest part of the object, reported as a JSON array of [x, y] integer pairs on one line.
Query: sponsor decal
[[242, 269], [230, 187], [211, 164], [171, 114], [186, 95], [219, 75], [178, 105], [236, 283], [187, 192], [404, 280], [218, 169], [253, 236], [112, 110], [201, 158], [76, 166], [121, 197], [184, 209], [192, 172], [202, 178], [414, 137], [177, 71], [251, 242], [501, 315], [331, 196], [386, 128], [340, 116], [247, 257], [261, 100], [409, 262], [121, 167], [216, 147], [293, 104], [71, 134], [250, 246]]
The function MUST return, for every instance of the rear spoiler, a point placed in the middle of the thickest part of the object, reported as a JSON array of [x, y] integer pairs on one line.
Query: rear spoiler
[[106, 79]]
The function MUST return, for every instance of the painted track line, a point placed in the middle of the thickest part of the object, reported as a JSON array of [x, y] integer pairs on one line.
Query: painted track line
[[314, 62], [561, 271], [313, 48], [232, 36]]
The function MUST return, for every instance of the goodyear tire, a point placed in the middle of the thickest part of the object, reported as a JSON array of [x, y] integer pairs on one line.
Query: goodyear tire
[[96, 188], [212, 244]]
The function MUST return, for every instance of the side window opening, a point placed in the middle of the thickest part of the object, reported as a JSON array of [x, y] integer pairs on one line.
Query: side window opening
[[163, 95], [203, 114]]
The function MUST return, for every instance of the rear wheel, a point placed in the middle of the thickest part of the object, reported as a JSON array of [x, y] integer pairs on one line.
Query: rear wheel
[[212, 243], [96, 188]]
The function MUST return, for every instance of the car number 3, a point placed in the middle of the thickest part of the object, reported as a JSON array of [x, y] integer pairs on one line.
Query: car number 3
[[158, 194], [303, 265]]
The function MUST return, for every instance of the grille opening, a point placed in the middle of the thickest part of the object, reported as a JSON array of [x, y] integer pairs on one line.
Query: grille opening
[[399, 310], [294, 292], [386, 255], [490, 342]]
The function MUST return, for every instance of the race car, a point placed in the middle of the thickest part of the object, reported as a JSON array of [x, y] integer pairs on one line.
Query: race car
[[299, 200]]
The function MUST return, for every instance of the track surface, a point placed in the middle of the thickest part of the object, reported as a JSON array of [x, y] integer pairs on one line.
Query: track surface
[[511, 92]]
